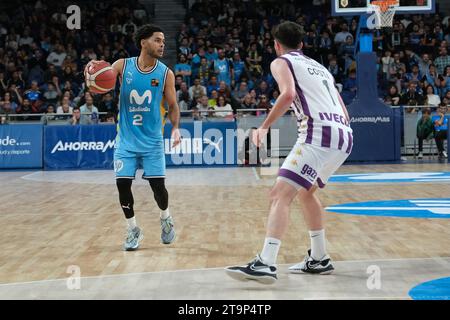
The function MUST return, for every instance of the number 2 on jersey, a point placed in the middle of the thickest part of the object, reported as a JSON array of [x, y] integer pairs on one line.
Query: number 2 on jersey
[[137, 120]]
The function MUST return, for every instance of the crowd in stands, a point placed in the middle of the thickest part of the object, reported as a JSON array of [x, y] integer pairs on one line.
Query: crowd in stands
[[42, 60], [225, 49]]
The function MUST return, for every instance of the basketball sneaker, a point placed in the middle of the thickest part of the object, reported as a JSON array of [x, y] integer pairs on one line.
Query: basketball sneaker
[[134, 237], [309, 265], [255, 270], [167, 231]]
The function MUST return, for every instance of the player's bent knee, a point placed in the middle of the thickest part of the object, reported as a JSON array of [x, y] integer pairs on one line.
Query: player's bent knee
[[303, 193], [123, 184], [282, 191], [160, 192]]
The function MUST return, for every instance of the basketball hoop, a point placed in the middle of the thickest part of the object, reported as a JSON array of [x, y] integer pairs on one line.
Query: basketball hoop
[[384, 11]]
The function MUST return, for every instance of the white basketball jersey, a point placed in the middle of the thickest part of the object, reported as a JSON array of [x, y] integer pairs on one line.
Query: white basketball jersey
[[321, 119]]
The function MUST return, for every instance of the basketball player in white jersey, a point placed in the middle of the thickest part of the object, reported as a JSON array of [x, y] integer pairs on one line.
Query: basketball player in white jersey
[[324, 142]]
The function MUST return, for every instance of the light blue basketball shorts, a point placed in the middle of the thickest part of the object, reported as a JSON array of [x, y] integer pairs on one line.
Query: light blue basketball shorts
[[127, 162]]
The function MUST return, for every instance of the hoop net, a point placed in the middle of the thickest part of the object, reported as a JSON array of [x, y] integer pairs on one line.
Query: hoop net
[[385, 12]]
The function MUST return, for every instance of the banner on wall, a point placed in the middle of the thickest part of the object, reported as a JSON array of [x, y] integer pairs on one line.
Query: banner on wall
[[92, 147], [202, 144], [82, 147], [21, 146]]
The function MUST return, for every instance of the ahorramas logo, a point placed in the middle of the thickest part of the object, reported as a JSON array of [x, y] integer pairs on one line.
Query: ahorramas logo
[[83, 146], [370, 119]]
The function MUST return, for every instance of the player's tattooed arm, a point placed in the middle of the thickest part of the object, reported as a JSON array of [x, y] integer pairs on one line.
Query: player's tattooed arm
[[174, 110]]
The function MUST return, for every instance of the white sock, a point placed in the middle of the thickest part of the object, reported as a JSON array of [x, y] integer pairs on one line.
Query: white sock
[[269, 252], [318, 249], [164, 214], [131, 223]]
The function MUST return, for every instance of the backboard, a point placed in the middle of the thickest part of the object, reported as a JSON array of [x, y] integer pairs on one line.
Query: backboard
[[357, 7]]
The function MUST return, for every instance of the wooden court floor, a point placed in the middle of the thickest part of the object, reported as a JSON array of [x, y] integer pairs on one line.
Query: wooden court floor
[[51, 220]]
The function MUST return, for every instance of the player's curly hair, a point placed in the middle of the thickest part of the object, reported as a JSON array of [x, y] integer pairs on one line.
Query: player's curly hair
[[289, 34], [145, 32]]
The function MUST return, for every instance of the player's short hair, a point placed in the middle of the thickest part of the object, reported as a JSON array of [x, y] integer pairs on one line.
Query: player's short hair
[[145, 32], [289, 34]]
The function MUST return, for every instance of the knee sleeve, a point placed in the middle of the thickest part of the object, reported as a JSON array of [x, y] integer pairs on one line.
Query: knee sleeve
[[126, 196], [160, 192]]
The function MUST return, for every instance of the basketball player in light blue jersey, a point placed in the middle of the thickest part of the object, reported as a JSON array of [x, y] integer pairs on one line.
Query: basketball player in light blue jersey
[[146, 83]]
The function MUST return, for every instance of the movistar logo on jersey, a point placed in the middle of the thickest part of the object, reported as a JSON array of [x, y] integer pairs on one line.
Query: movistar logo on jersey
[[83, 146], [410, 208], [139, 109], [136, 98]]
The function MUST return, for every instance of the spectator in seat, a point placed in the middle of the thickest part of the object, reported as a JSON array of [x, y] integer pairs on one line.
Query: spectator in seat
[[65, 107], [239, 93], [254, 60], [57, 56], [107, 104], [183, 97], [182, 68], [203, 106], [213, 99], [440, 122], [263, 104], [213, 85], [442, 61], [34, 96], [49, 114], [432, 78], [223, 68], [25, 108], [412, 95], [89, 110], [445, 80], [424, 129], [7, 106], [53, 93], [204, 71], [224, 107], [414, 75], [248, 104], [78, 119], [197, 90], [393, 96], [431, 99]]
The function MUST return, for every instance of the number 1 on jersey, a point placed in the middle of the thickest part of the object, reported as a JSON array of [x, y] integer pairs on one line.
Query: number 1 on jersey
[[325, 83], [137, 120]]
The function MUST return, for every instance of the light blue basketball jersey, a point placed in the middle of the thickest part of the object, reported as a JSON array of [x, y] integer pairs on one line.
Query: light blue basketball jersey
[[141, 109]]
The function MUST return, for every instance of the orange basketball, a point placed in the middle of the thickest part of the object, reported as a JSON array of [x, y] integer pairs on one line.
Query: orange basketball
[[100, 77]]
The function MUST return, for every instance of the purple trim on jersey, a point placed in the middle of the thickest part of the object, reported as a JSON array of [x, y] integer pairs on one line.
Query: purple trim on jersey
[[326, 136], [320, 183], [301, 96], [350, 142], [288, 174], [341, 138]]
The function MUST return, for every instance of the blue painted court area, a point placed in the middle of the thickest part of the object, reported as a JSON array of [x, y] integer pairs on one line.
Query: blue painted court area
[[392, 177], [410, 208], [438, 289]]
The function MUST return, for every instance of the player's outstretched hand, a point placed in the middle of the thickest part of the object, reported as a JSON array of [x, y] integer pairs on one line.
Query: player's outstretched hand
[[258, 136], [176, 137]]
